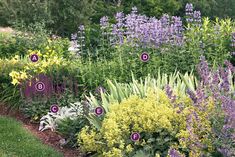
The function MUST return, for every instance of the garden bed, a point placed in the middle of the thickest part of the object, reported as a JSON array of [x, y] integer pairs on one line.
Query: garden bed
[[49, 138]]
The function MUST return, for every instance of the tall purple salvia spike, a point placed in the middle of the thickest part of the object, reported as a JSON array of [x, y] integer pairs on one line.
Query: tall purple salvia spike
[[174, 153], [169, 93], [203, 70], [192, 95], [104, 22]]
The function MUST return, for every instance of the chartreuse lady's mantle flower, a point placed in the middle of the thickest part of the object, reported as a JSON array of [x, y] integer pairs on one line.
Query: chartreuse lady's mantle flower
[[148, 115], [154, 117]]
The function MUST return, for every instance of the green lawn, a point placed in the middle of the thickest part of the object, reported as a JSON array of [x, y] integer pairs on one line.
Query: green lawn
[[16, 141]]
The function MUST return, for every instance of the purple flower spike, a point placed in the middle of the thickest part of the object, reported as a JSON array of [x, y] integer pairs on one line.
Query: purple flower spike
[[169, 93], [189, 7], [104, 22], [134, 10], [192, 95], [203, 70], [174, 153], [81, 28]]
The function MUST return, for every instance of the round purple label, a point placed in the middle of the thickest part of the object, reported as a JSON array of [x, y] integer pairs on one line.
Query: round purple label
[[99, 111], [34, 58], [144, 57], [135, 136], [54, 108], [40, 86]]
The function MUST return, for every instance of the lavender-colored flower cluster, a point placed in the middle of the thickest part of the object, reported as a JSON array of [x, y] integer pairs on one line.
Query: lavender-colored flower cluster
[[78, 40], [104, 22], [140, 30], [169, 93], [192, 16], [174, 153], [220, 85], [189, 12]]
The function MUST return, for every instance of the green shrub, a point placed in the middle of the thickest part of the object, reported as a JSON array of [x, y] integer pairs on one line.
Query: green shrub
[[18, 43]]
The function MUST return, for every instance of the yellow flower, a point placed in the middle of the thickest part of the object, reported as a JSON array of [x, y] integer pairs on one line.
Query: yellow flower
[[23, 75], [14, 74], [129, 148], [16, 57], [157, 155], [15, 81], [44, 64]]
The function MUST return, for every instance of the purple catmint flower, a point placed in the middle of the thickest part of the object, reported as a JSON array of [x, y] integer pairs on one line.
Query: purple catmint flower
[[169, 93], [197, 16], [230, 66], [165, 20], [74, 36], [177, 21], [189, 19], [203, 70], [225, 85], [139, 30], [189, 12], [192, 95], [81, 28], [134, 10], [119, 17], [200, 97], [174, 153], [225, 152], [189, 7], [104, 22]]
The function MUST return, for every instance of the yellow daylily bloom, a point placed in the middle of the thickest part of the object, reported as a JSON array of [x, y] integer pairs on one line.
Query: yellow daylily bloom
[[44, 64], [14, 74], [15, 81], [23, 75]]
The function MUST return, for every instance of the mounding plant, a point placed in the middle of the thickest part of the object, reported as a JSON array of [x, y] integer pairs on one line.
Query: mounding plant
[[120, 91]]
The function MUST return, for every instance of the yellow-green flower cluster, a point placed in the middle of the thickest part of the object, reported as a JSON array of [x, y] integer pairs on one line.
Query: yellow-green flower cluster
[[148, 115]]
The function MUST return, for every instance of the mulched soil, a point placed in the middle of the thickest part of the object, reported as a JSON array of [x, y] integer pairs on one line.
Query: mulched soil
[[47, 137]]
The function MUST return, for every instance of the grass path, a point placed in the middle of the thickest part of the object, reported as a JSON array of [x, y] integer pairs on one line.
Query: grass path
[[16, 141]]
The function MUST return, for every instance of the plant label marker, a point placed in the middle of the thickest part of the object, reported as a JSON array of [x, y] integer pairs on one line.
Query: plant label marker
[[99, 111], [144, 57], [34, 58], [135, 136], [40, 86], [54, 108]]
